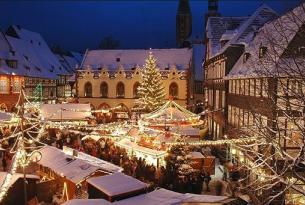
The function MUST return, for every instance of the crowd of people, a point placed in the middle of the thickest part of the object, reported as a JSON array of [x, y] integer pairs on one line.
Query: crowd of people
[[162, 176]]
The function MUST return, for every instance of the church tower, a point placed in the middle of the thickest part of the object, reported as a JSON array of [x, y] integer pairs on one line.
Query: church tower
[[212, 9], [183, 22]]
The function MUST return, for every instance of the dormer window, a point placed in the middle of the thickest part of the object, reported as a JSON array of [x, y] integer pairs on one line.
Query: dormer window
[[11, 63], [13, 53], [262, 51], [118, 59], [223, 43], [246, 57]]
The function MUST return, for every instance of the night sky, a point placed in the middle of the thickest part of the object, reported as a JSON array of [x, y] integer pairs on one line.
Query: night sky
[[77, 25]]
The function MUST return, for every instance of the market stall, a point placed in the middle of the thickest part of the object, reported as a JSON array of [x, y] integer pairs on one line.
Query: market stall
[[115, 187], [152, 156], [170, 114]]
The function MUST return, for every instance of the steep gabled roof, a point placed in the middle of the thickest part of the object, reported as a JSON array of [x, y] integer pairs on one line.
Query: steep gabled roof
[[217, 26], [245, 32], [236, 30], [275, 36], [33, 55], [129, 59]]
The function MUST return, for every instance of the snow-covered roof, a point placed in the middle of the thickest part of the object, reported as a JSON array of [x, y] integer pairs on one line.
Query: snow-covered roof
[[69, 111], [167, 197], [78, 56], [198, 58], [276, 37], [33, 55], [76, 169], [128, 59], [87, 202], [157, 197], [70, 61], [236, 30], [104, 165], [116, 184], [217, 26], [170, 111]]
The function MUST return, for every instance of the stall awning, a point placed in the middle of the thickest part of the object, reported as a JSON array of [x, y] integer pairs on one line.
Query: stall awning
[[69, 111]]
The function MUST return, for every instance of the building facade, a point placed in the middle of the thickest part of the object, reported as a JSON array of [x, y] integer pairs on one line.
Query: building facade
[[110, 77], [10, 82], [225, 40], [266, 98], [26, 60]]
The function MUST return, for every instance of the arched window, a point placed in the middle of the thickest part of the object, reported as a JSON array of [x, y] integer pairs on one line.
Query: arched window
[[120, 90], [173, 90], [104, 90], [88, 89], [135, 90]]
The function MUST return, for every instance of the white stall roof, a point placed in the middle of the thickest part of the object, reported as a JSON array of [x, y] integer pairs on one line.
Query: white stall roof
[[116, 184], [167, 197], [70, 111], [197, 198], [157, 197], [87, 202], [75, 169]]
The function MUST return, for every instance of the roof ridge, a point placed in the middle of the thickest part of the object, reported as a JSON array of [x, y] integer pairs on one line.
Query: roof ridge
[[245, 25]]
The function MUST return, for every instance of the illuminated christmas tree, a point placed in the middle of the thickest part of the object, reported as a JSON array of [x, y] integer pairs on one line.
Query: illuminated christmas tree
[[151, 90]]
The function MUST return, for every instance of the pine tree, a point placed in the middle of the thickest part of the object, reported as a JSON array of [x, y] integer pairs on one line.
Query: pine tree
[[151, 89]]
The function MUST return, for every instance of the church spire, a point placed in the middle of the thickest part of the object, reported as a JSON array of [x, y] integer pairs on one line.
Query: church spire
[[212, 9], [183, 22]]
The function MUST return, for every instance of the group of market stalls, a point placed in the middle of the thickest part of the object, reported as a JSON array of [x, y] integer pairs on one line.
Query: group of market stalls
[[67, 171], [149, 139], [159, 130]]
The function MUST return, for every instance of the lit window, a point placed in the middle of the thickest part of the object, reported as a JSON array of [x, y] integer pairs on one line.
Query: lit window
[[246, 56], [262, 51], [173, 90], [135, 90], [16, 85], [4, 86], [88, 89], [104, 90], [120, 90], [11, 63]]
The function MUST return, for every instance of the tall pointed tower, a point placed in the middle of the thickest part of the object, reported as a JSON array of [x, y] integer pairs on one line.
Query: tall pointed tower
[[183, 22], [212, 9]]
